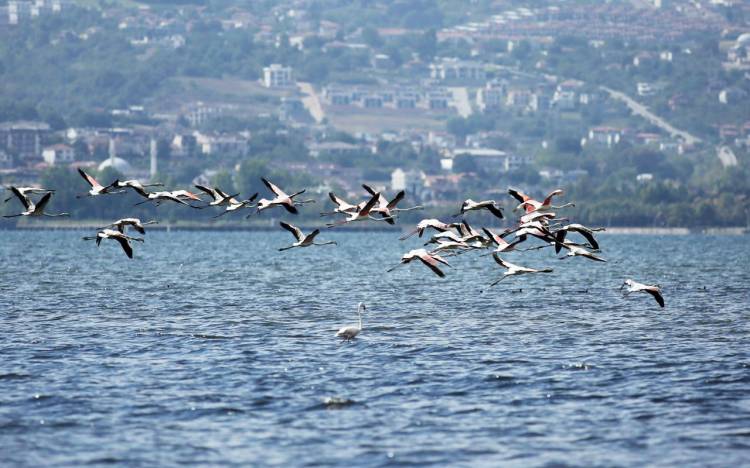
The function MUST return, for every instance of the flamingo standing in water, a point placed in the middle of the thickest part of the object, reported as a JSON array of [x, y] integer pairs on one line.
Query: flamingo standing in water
[[303, 240], [431, 261], [350, 332], [31, 208], [634, 286]]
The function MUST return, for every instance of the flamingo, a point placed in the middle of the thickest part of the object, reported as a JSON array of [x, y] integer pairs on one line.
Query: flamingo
[[134, 223], [31, 208], [501, 244], [471, 205], [342, 206], [514, 270], [425, 224], [654, 290], [25, 190], [586, 232], [576, 251], [234, 205], [531, 205], [159, 197], [218, 197], [350, 332], [303, 240], [281, 199], [428, 259], [387, 208], [362, 214], [122, 239], [132, 183], [96, 187]]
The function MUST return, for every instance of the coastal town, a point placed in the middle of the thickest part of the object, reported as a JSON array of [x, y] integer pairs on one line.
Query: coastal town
[[532, 94]]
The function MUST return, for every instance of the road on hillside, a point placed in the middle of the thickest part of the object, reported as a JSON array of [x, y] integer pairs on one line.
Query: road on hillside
[[311, 101], [643, 111]]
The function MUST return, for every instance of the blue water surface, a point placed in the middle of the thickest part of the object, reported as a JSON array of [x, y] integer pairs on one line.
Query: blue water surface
[[213, 348]]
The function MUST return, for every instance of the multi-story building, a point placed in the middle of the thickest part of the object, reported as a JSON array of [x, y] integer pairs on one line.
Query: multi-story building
[[22, 138], [277, 76]]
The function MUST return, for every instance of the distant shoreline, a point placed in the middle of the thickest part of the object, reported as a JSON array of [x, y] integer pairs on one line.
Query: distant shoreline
[[273, 225]]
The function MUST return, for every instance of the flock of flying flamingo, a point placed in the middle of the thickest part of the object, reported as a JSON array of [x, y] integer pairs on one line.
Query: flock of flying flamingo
[[537, 220]]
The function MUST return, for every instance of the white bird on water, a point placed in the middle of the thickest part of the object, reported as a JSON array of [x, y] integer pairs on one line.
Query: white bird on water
[[653, 289], [350, 332]]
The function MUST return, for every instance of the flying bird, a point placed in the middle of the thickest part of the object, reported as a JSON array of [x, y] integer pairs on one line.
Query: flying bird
[[425, 224], [386, 208], [96, 188], [134, 184], [303, 240], [350, 332], [431, 261], [362, 214], [282, 199], [471, 205], [342, 206], [634, 286], [514, 270], [25, 190], [134, 223], [122, 239], [31, 208]]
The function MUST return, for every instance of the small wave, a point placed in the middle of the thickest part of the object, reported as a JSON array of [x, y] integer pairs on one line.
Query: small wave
[[335, 403], [14, 376]]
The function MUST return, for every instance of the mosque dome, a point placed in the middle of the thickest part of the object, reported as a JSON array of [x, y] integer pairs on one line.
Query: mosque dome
[[119, 164]]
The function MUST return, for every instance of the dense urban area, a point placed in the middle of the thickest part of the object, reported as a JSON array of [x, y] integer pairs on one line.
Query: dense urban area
[[640, 110]]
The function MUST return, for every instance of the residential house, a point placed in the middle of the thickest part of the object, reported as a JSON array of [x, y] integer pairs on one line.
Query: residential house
[[458, 71], [58, 154], [603, 136]]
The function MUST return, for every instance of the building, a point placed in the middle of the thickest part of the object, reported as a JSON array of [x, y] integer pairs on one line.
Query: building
[[23, 138], [277, 76], [493, 160], [455, 70], [606, 136], [492, 96], [58, 154]]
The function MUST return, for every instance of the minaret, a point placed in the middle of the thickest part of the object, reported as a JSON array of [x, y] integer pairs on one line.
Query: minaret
[[153, 158], [112, 152]]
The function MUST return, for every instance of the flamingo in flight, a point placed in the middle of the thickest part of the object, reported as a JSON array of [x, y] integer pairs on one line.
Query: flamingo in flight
[[134, 223], [31, 208], [425, 224], [577, 251], [431, 261], [121, 238], [586, 232], [351, 332], [489, 205], [514, 270], [134, 184], [96, 188], [303, 240], [160, 197], [362, 214], [233, 204], [529, 204], [387, 208], [634, 286], [282, 199], [501, 245], [218, 196], [25, 190], [342, 206]]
